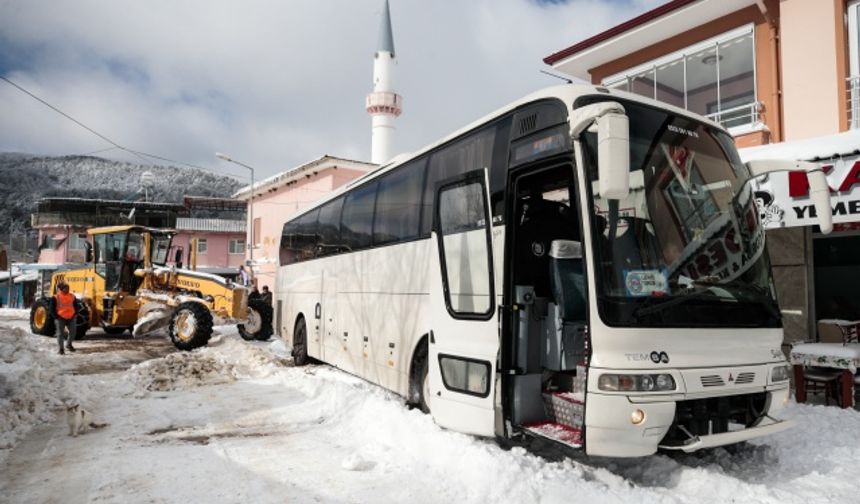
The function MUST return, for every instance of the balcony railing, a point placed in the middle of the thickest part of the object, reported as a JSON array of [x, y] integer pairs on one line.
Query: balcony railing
[[743, 115], [852, 88]]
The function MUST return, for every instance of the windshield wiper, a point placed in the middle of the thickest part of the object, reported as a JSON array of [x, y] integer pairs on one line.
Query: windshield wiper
[[654, 305], [754, 292]]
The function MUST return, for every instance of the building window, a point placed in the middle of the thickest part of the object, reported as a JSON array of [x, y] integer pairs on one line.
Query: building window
[[236, 247], [715, 78], [201, 245], [78, 242], [257, 229]]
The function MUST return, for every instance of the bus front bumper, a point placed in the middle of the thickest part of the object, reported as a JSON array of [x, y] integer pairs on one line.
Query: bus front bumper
[[610, 430], [768, 426]]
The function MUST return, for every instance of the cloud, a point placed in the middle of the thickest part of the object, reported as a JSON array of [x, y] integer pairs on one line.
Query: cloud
[[271, 83]]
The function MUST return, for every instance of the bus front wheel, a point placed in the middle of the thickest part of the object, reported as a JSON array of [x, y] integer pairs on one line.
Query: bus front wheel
[[420, 381], [425, 388]]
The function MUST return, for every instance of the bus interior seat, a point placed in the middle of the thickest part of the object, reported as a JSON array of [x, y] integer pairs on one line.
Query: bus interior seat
[[564, 346], [541, 222]]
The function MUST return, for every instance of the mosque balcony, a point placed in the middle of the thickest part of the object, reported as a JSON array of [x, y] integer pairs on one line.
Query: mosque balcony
[[384, 102]]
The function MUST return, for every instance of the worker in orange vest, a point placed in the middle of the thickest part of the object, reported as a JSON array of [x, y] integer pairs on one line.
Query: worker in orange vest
[[65, 308]]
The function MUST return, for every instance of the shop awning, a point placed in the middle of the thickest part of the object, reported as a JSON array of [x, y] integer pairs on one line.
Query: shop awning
[[783, 198], [810, 149]]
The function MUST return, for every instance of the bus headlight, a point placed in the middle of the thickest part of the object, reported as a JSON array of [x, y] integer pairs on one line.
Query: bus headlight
[[780, 373], [636, 382]]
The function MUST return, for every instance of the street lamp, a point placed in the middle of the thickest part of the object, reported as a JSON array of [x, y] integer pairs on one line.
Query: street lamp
[[250, 203]]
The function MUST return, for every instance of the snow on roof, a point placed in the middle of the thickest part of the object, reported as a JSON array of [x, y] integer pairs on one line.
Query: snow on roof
[[214, 225], [809, 149], [90, 202], [30, 276], [285, 177]]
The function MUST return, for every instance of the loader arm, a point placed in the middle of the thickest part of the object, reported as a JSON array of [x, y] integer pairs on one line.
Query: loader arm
[[223, 298]]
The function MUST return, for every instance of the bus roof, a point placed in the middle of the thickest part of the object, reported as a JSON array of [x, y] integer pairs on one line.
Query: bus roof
[[567, 93]]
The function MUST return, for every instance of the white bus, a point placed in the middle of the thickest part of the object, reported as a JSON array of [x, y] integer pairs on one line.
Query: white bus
[[583, 265]]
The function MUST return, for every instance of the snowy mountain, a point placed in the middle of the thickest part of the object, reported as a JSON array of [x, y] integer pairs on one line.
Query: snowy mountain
[[24, 179]]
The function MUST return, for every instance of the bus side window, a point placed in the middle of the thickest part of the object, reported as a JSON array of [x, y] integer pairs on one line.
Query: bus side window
[[329, 229], [288, 253], [473, 152], [398, 204], [356, 230], [307, 235]]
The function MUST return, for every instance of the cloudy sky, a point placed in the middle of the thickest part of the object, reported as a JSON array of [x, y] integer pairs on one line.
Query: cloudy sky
[[271, 83]]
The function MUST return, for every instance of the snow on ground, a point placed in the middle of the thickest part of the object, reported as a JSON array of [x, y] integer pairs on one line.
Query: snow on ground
[[30, 388], [236, 422]]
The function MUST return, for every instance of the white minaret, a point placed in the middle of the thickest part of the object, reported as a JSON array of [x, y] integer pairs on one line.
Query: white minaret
[[383, 104]]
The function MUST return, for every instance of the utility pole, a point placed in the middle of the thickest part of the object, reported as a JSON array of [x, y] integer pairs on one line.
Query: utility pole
[[9, 260], [250, 208]]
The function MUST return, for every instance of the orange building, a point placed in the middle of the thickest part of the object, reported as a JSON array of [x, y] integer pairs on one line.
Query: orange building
[[783, 76]]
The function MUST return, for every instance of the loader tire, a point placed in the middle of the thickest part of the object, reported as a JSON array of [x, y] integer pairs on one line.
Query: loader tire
[[263, 311], [190, 326], [41, 320], [115, 330], [82, 323]]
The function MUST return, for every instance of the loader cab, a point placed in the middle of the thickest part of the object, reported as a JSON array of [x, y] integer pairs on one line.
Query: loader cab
[[118, 252]]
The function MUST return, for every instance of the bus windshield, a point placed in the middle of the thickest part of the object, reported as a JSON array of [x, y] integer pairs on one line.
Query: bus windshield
[[686, 247]]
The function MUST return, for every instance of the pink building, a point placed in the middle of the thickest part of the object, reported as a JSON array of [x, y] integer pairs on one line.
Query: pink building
[[279, 197], [63, 224], [220, 242]]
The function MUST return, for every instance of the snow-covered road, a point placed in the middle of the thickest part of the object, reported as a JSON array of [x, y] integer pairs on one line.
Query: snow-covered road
[[235, 422]]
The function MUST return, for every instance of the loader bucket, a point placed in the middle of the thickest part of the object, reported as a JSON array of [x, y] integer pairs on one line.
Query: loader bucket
[[151, 318]]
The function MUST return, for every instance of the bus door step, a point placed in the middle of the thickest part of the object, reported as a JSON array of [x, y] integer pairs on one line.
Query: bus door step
[[556, 432], [565, 408]]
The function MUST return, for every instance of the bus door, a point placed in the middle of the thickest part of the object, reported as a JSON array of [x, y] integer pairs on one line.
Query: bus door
[[464, 338]]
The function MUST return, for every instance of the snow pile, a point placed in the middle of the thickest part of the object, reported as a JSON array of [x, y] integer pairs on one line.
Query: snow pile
[[30, 388], [223, 361]]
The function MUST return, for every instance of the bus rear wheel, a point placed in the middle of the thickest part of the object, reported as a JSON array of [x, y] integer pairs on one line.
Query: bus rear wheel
[[300, 343]]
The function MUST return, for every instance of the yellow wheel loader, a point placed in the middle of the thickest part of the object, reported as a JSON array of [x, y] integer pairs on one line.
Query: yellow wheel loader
[[127, 284]]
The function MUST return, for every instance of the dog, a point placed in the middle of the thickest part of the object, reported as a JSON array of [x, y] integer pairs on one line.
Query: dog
[[80, 420]]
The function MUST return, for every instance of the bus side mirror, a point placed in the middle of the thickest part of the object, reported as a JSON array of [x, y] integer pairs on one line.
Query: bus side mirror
[[819, 191], [88, 255], [613, 145], [613, 156]]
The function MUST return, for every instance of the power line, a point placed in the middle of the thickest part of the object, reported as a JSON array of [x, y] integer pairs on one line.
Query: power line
[[97, 151], [67, 116], [139, 154]]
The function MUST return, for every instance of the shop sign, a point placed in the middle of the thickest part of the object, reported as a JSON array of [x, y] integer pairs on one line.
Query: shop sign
[[783, 198]]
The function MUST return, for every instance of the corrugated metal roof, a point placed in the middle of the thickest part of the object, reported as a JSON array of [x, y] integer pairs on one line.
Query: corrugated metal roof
[[214, 225]]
